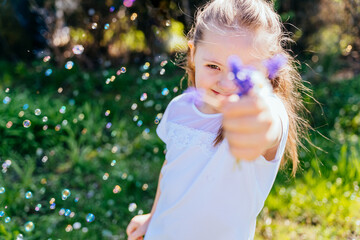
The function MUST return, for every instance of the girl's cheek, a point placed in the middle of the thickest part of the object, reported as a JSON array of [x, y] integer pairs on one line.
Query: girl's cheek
[[205, 80]]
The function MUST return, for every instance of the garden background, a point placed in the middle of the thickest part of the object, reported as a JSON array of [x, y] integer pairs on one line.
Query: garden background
[[83, 85]]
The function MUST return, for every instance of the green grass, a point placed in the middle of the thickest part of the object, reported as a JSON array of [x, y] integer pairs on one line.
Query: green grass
[[322, 202], [316, 207]]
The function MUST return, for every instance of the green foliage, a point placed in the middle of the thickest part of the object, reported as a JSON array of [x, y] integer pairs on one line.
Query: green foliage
[[316, 207], [76, 149], [77, 154]]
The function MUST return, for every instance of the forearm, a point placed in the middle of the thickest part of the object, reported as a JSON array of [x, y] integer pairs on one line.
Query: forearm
[[157, 191]]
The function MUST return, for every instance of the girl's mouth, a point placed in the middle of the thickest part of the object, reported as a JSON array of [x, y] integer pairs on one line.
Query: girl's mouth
[[217, 93]]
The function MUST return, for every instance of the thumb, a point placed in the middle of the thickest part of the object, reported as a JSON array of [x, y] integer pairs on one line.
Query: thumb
[[220, 101], [225, 100]]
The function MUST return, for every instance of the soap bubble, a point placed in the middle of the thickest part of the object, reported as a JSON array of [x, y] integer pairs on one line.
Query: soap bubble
[[132, 207], [143, 97], [38, 207], [113, 162], [145, 76], [44, 159], [61, 211], [163, 63], [62, 109], [165, 91], [46, 58], [7, 219], [26, 106], [146, 66], [26, 123], [162, 71], [69, 65], [2, 190], [90, 217], [37, 112], [29, 226], [44, 119], [77, 225], [68, 228], [106, 26], [123, 69], [94, 26], [48, 72], [67, 212], [133, 106], [139, 123], [57, 127], [6, 100], [19, 237], [78, 49], [2, 213], [66, 193], [28, 195]]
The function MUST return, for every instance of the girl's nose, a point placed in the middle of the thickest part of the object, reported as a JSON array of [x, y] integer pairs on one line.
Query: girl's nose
[[227, 85]]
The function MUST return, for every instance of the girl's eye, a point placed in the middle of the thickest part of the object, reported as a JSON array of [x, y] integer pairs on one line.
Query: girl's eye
[[212, 66]]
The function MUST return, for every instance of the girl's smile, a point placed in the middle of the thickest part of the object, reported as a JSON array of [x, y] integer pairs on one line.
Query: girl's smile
[[210, 59]]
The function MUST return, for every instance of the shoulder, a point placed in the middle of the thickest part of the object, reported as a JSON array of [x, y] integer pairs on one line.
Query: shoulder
[[184, 97], [277, 105], [179, 100]]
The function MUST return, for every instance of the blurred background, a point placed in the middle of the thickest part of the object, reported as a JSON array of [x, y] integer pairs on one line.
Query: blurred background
[[83, 85]]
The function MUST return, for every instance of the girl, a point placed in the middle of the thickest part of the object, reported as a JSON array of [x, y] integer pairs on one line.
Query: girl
[[201, 193]]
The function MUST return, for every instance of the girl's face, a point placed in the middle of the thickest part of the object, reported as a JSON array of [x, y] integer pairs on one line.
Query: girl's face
[[210, 61]]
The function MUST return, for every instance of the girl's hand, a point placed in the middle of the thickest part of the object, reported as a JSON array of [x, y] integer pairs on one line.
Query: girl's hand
[[249, 127], [138, 226]]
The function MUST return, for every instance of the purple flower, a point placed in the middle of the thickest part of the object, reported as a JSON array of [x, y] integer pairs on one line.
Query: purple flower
[[274, 64], [241, 74], [194, 95]]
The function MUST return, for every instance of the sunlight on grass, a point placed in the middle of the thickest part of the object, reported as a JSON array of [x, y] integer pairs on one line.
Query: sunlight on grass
[[313, 207]]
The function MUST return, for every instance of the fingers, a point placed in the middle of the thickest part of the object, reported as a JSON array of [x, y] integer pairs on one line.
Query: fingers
[[248, 105], [131, 228], [246, 140], [247, 124], [136, 235]]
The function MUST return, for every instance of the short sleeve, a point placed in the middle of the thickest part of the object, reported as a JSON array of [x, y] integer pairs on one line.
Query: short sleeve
[[266, 171], [277, 108]]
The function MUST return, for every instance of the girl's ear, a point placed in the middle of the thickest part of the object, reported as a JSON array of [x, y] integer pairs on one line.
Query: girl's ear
[[192, 50]]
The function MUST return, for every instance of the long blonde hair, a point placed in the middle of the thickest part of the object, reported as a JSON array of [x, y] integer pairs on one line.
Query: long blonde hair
[[259, 15]]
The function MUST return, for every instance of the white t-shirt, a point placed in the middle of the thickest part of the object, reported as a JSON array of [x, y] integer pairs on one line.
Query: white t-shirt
[[204, 193]]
